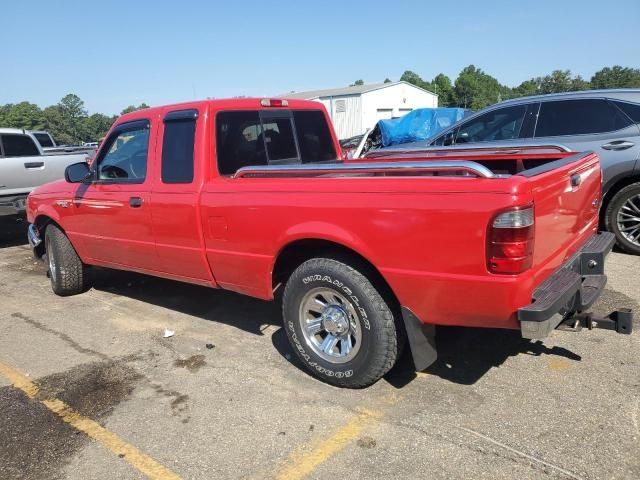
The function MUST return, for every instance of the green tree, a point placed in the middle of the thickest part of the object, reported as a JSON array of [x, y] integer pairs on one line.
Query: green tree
[[475, 89], [558, 81], [616, 77], [415, 79], [527, 88], [387, 80], [133, 108], [55, 124], [96, 127], [4, 111], [579, 83], [23, 115], [442, 86], [73, 113]]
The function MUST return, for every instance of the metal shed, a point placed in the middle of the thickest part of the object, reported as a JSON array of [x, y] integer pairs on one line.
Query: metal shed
[[355, 109]]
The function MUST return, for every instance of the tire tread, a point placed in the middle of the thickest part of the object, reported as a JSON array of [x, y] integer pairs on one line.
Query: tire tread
[[386, 341]]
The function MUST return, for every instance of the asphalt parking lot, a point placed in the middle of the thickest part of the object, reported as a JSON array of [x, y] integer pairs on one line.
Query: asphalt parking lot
[[89, 388]]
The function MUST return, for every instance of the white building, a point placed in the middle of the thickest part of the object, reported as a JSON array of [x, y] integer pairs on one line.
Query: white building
[[355, 109]]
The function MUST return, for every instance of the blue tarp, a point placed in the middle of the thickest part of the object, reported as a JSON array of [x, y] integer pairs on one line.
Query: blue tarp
[[418, 125]]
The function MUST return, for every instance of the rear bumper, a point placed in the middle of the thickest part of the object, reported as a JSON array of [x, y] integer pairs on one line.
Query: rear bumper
[[574, 287], [13, 205]]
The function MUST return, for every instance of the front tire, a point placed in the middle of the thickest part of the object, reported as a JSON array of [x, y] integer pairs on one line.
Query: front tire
[[623, 218], [65, 269], [338, 324]]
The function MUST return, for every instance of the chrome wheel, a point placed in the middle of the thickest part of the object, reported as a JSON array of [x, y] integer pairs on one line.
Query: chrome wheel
[[629, 220], [330, 325]]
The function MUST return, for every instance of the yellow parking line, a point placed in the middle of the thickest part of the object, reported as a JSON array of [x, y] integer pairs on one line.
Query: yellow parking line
[[302, 464], [144, 463]]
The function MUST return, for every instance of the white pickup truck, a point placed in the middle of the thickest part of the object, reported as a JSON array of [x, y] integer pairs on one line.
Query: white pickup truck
[[49, 145], [24, 166]]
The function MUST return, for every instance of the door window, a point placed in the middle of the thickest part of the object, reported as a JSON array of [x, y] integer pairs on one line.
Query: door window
[[19, 146], [631, 109], [177, 146], [499, 124], [125, 160], [577, 117]]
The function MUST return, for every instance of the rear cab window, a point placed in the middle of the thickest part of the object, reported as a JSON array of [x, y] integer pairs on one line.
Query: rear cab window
[[272, 137], [579, 117], [16, 145], [44, 140]]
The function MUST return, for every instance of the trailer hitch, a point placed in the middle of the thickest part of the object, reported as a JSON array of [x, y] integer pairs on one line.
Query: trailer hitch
[[621, 321]]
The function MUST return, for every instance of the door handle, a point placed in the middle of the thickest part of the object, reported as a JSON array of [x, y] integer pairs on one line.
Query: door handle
[[33, 164], [618, 145], [135, 202]]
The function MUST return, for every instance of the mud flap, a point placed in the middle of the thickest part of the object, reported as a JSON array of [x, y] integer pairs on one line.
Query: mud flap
[[422, 340]]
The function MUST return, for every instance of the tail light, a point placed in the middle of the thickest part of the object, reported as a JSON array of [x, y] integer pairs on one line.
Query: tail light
[[274, 102], [510, 241]]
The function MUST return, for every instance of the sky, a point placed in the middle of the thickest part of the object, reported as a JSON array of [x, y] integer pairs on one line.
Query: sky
[[116, 53]]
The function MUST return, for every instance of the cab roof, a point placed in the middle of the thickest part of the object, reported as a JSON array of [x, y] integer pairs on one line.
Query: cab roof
[[223, 104]]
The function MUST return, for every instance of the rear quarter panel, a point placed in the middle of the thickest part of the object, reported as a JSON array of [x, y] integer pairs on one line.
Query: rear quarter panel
[[427, 236]]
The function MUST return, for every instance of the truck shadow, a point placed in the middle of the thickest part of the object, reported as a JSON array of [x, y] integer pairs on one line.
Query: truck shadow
[[464, 354], [12, 232], [245, 313]]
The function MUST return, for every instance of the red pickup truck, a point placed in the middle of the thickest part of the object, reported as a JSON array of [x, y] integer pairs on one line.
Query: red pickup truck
[[251, 195]]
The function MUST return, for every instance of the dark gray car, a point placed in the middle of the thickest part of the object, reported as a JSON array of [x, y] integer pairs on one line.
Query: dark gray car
[[605, 121]]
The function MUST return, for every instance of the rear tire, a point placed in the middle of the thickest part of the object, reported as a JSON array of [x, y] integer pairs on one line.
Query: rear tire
[[356, 341], [65, 269], [622, 218]]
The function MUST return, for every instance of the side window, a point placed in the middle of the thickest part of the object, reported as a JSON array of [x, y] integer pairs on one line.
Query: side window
[[446, 138], [314, 137], [499, 124], [631, 109], [576, 117], [125, 157], [19, 146], [177, 146]]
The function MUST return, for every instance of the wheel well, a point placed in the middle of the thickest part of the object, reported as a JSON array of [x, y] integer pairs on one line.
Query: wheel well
[[298, 252], [615, 188]]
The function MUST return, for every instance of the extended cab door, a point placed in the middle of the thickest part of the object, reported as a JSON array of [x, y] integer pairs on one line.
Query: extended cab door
[[175, 196], [111, 220]]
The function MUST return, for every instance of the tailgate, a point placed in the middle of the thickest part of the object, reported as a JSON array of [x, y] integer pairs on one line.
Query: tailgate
[[566, 195]]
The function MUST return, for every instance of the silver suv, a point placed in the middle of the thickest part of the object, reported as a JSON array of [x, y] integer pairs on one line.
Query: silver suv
[[605, 121]]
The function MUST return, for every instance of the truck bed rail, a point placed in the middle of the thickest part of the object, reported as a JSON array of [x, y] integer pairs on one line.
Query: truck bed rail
[[361, 167]]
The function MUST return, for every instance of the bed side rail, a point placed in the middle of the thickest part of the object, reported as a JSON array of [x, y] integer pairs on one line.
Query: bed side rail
[[310, 170]]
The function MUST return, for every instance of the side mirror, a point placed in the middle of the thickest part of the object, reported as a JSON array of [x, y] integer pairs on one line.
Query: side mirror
[[77, 172]]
